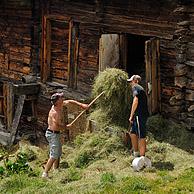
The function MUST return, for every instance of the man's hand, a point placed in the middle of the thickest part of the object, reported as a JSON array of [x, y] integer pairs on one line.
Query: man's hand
[[85, 106], [131, 120], [69, 125]]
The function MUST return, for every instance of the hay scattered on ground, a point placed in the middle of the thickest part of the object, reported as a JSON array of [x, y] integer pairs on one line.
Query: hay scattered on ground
[[113, 106]]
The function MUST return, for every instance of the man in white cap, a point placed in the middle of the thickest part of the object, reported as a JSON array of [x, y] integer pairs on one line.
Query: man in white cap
[[54, 128], [138, 117]]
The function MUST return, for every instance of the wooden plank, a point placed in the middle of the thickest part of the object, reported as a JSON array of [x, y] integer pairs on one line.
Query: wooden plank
[[73, 54], [70, 55], [5, 103], [148, 73], [10, 105], [108, 51], [17, 116], [152, 75], [48, 49], [76, 61], [42, 47], [30, 88], [158, 75]]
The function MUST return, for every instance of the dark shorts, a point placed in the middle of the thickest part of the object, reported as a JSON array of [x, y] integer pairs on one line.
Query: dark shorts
[[55, 144], [139, 126]]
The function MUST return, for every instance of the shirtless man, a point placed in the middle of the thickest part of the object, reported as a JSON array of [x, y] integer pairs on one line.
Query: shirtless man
[[54, 127]]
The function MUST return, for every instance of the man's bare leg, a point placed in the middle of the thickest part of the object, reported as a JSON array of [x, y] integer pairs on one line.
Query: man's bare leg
[[134, 142], [49, 164], [56, 164], [142, 146]]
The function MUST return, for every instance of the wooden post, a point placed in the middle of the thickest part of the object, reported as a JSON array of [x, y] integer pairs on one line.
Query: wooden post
[[17, 116], [10, 105], [73, 53]]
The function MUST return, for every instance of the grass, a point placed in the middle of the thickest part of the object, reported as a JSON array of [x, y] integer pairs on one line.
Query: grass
[[100, 163]]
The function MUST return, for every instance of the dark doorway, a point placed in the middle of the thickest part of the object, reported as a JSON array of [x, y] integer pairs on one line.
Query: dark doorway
[[135, 56]]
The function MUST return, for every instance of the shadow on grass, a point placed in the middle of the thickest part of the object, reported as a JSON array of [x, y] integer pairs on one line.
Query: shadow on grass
[[164, 130], [163, 165]]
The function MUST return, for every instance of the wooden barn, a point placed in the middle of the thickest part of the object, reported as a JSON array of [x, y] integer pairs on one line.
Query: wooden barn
[[50, 45]]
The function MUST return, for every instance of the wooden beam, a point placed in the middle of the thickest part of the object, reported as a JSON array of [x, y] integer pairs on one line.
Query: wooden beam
[[21, 89]]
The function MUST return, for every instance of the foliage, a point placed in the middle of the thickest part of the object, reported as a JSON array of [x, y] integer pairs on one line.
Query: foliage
[[20, 165], [107, 178], [2, 170], [72, 175], [84, 158], [113, 106], [135, 184]]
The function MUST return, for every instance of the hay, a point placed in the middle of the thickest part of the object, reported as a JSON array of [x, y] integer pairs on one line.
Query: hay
[[113, 106]]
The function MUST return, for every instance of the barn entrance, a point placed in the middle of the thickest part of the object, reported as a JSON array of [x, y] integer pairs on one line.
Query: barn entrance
[[136, 55]]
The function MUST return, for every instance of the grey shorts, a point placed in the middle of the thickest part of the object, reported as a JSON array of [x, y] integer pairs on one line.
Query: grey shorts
[[55, 144]]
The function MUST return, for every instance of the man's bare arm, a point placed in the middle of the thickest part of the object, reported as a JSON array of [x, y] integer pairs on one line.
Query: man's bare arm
[[76, 102], [133, 108]]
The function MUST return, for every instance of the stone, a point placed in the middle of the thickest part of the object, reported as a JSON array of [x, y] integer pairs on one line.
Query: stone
[[5, 138], [191, 108]]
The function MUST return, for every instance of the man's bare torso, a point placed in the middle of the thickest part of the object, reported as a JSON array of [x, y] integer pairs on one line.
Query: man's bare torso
[[54, 119]]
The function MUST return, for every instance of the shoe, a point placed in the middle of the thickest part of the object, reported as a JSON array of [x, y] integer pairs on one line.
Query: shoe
[[44, 175], [136, 154]]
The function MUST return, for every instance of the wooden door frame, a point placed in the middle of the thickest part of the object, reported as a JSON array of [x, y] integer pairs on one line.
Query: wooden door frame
[[73, 48], [152, 61]]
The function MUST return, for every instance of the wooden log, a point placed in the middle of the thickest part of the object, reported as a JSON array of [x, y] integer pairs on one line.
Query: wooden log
[[174, 102], [57, 73], [10, 105]]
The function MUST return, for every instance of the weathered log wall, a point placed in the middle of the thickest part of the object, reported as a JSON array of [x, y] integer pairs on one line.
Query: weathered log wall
[[15, 38], [181, 101], [95, 18], [189, 63]]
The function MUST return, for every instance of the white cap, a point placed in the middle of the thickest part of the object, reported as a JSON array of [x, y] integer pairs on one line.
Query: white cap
[[134, 77]]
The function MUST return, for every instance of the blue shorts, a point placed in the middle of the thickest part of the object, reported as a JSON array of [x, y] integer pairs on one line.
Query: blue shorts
[[55, 144], [139, 126]]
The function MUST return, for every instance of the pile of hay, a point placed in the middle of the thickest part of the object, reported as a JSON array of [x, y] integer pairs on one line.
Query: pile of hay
[[113, 107]]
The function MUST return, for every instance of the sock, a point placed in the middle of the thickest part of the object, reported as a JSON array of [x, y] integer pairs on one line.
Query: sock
[[136, 154]]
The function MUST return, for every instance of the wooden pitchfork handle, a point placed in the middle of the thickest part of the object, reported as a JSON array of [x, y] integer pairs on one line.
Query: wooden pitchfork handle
[[85, 109]]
